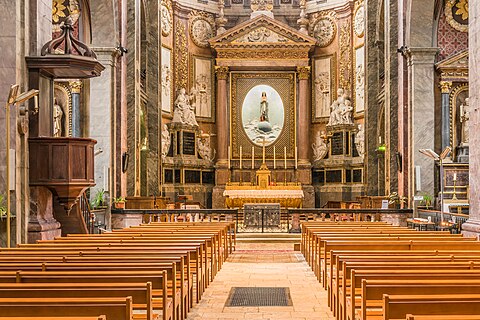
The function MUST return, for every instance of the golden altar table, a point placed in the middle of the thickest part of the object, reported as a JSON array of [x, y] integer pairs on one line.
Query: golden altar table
[[288, 195]]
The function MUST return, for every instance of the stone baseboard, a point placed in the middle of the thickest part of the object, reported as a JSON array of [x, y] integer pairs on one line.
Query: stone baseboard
[[471, 229]]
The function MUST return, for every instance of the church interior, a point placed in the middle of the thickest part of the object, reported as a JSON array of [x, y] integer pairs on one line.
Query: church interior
[[239, 159]]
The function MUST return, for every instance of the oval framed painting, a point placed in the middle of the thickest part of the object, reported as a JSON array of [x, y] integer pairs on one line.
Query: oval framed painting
[[263, 115]]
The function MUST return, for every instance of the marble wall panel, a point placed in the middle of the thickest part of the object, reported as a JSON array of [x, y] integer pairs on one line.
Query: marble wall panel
[[472, 227]]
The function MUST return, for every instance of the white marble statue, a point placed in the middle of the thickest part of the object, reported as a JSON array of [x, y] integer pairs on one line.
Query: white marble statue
[[57, 119], [166, 140], [360, 140], [204, 148], [464, 119], [320, 147], [341, 110], [183, 112], [347, 112]]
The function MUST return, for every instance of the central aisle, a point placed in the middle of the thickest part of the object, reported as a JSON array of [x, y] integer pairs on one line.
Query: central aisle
[[265, 265]]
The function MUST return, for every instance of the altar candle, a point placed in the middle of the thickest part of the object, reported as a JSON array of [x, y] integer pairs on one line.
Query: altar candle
[[296, 160], [454, 176], [285, 156], [263, 151], [274, 159], [228, 151], [240, 157], [253, 157]]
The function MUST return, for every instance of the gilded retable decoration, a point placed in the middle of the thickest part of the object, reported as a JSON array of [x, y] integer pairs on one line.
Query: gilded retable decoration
[[324, 29], [166, 18], [202, 28], [359, 21]]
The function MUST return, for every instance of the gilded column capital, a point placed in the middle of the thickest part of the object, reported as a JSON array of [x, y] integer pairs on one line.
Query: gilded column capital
[[303, 73], [75, 86], [222, 72], [445, 86]]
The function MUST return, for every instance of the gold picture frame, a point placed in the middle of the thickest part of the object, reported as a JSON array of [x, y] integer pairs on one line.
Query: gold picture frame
[[240, 85]]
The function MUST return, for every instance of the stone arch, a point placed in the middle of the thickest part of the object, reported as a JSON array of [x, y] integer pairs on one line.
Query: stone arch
[[104, 23], [420, 23]]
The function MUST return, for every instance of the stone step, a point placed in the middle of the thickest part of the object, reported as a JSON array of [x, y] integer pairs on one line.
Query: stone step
[[267, 240], [272, 235]]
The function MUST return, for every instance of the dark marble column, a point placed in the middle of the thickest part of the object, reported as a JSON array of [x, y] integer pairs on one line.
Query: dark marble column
[[446, 87], [472, 226], [75, 87]]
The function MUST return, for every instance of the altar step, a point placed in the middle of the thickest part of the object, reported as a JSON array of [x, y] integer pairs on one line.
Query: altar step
[[268, 237]]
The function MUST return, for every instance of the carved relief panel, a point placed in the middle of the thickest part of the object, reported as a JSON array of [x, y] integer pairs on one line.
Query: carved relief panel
[[360, 79], [202, 87], [166, 78], [323, 84]]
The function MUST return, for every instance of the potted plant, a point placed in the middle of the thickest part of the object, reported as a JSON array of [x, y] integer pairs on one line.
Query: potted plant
[[396, 200], [119, 202], [3, 208], [98, 200], [427, 200]]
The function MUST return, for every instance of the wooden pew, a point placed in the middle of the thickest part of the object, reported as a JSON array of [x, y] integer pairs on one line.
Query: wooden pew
[[102, 317], [343, 298], [443, 317], [398, 306], [112, 308], [141, 293], [373, 291]]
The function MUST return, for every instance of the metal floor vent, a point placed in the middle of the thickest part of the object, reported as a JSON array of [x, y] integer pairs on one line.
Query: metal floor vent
[[259, 297]]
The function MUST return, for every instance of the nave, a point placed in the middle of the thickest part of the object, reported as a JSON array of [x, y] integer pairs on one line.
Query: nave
[[265, 265], [182, 271]]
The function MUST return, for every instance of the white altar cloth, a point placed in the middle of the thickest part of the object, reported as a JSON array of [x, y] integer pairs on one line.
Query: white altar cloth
[[262, 194]]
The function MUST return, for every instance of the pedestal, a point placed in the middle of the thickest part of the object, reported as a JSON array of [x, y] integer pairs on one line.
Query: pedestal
[[463, 154], [42, 225]]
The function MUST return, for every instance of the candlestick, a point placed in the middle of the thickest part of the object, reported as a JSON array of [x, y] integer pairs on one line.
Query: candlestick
[[274, 159], [263, 156], [296, 159], [285, 156], [228, 151], [240, 157], [253, 157]]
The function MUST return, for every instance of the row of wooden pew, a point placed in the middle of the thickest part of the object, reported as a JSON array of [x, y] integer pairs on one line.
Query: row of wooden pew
[[152, 271], [378, 271]]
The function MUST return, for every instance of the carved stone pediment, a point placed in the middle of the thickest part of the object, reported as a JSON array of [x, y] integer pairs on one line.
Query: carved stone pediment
[[454, 68], [262, 38]]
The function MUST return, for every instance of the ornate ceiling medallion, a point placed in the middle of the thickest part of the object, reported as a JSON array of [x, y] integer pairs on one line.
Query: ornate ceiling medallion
[[202, 28], [323, 28], [456, 12], [359, 21], [166, 18]]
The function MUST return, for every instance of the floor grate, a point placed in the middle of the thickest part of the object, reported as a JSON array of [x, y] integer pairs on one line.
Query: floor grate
[[259, 297]]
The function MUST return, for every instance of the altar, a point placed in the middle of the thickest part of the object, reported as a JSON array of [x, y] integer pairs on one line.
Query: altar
[[288, 196]]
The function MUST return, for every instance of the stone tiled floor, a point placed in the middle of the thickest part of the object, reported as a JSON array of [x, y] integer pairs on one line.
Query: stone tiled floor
[[264, 265]]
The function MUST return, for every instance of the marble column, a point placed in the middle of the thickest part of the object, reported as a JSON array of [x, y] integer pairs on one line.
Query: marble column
[[446, 87], [103, 122], [472, 226], [303, 116], [76, 87], [221, 115], [421, 119], [222, 173]]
